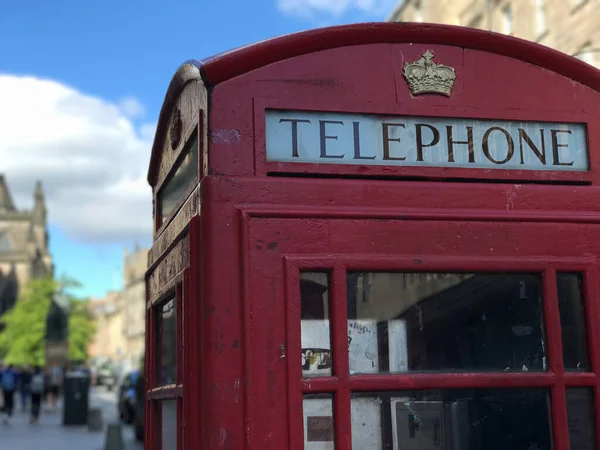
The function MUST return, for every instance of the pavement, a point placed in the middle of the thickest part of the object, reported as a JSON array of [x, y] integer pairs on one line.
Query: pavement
[[50, 434]]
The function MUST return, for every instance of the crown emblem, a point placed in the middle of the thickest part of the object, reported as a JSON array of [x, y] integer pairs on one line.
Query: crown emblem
[[426, 77]]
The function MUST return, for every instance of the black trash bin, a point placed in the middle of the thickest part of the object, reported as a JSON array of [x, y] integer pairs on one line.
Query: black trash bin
[[76, 388]]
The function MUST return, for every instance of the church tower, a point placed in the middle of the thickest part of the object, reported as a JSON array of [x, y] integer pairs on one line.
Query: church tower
[[6, 202], [40, 226], [24, 252]]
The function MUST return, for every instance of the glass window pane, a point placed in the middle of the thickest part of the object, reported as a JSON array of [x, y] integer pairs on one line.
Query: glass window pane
[[318, 422], [169, 425], [572, 321], [167, 370], [453, 419], [174, 188], [420, 322], [316, 341], [580, 410]]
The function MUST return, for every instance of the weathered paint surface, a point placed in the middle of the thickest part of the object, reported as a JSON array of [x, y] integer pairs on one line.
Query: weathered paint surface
[[242, 380], [173, 264]]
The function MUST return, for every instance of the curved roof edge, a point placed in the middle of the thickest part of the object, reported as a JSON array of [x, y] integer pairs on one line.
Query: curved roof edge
[[189, 71], [225, 66], [228, 65]]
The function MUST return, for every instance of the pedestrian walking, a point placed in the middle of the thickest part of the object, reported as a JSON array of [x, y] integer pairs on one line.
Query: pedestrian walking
[[8, 381], [37, 389], [25, 387], [55, 383]]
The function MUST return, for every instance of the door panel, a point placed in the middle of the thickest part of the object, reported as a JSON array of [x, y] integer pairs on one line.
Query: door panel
[[498, 259]]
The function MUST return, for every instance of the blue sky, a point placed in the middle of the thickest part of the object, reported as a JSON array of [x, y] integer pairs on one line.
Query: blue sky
[[105, 65]]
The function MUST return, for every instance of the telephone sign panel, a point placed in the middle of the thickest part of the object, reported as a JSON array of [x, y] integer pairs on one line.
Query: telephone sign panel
[[334, 138]]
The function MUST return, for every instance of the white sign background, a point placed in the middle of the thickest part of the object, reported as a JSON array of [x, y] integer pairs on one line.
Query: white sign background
[[342, 139]]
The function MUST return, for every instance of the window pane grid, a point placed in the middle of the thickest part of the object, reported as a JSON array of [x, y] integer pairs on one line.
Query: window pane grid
[[592, 310], [294, 344], [343, 384], [449, 381], [339, 318], [179, 338], [552, 319], [166, 390], [556, 363], [579, 379], [560, 423]]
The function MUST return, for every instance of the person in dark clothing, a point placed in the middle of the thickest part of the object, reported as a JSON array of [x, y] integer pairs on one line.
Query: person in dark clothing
[[8, 381], [37, 390], [25, 387]]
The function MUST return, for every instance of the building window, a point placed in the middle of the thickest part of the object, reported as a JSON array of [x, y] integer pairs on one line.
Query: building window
[[540, 16], [5, 245], [507, 20]]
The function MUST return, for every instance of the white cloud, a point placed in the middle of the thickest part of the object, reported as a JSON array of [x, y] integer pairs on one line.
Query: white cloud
[[90, 156], [132, 108], [336, 8]]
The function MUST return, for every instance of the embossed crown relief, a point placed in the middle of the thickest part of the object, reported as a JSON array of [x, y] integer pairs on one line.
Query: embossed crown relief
[[426, 77]]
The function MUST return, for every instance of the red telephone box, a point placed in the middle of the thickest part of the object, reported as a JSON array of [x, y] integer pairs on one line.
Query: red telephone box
[[380, 236]]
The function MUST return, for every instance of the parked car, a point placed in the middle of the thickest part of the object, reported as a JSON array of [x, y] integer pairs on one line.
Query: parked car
[[106, 376], [127, 397], [140, 394]]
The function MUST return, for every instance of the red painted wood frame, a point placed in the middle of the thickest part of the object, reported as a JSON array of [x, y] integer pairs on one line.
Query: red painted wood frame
[[358, 69], [390, 245], [156, 393]]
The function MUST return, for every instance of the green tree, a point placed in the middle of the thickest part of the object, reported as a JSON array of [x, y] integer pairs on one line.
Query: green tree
[[22, 339], [82, 328]]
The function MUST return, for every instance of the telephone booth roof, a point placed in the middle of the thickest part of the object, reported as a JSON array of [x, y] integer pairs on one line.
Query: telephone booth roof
[[230, 64]]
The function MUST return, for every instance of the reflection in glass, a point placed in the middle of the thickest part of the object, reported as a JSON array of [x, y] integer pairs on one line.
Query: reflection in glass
[[580, 410], [453, 419], [572, 321], [316, 341], [318, 422], [419, 322], [174, 188], [168, 345], [169, 425]]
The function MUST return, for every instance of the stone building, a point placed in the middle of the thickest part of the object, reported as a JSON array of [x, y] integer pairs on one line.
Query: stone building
[[108, 343], [570, 26], [133, 302], [121, 315], [24, 252]]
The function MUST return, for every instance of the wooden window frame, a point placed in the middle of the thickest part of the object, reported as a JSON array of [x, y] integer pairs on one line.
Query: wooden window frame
[[342, 384], [198, 128], [156, 395]]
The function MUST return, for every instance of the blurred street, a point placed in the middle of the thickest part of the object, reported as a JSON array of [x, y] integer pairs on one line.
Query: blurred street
[[50, 434]]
